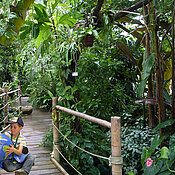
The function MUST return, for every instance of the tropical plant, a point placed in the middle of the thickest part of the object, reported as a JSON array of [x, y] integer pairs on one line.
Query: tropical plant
[[13, 19], [162, 159], [134, 140], [131, 51]]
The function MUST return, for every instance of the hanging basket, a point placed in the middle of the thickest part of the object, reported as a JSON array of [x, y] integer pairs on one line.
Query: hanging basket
[[88, 40]]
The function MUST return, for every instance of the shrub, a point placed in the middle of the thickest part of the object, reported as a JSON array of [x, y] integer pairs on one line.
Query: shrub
[[134, 139]]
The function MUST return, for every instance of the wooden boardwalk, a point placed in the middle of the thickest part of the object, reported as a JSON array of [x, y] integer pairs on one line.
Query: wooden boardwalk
[[36, 126]]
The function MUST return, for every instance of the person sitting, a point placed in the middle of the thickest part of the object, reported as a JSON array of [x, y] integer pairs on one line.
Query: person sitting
[[18, 147]]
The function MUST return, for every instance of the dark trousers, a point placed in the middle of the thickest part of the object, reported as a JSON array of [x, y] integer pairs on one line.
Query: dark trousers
[[11, 165]]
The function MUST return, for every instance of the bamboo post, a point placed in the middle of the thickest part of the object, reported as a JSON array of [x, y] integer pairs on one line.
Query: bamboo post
[[116, 159], [19, 98], [55, 131], [5, 104]]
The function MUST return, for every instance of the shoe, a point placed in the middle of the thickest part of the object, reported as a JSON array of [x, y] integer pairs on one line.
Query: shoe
[[20, 172]]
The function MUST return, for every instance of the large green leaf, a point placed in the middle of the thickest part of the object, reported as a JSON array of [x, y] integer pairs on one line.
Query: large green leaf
[[38, 12], [164, 153], [20, 10], [141, 88], [155, 143], [41, 15], [163, 125], [146, 71], [44, 33], [147, 67], [67, 19], [123, 48]]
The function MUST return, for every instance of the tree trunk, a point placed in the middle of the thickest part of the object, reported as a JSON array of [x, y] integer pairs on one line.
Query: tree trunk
[[150, 86], [132, 8], [173, 63], [158, 64]]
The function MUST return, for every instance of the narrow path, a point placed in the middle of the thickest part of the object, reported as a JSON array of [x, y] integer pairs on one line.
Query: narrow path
[[36, 126]]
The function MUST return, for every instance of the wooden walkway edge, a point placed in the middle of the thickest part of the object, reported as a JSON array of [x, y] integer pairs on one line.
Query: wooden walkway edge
[[35, 127]]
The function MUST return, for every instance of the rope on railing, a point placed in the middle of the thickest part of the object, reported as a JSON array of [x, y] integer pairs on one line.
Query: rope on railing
[[102, 157], [9, 102], [11, 92], [5, 106], [4, 129], [3, 94], [4, 119], [14, 99], [67, 160]]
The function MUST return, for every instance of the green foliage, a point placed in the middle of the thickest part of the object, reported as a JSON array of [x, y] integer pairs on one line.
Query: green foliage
[[7, 63], [86, 30], [163, 163], [13, 18], [106, 85], [146, 72], [102, 85], [5, 16], [48, 138], [164, 7], [164, 159], [12, 104], [155, 143], [164, 125], [134, 140], [92, 139]]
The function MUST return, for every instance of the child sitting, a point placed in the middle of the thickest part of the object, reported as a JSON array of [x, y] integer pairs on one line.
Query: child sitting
[[19, 142]]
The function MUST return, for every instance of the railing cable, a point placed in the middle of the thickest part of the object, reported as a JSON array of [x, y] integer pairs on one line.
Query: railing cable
[[79, 147], [67, 160], [9, 102], [4, 119], [5, 106]]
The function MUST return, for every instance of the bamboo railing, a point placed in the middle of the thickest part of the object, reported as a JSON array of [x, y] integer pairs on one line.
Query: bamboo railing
[[5, 105], [115, 159]]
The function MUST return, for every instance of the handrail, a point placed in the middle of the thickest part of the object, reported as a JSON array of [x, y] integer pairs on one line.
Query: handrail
[[5, 106], [85, 116], [115, 159], [5, 129], [11, 92], [3, 94]]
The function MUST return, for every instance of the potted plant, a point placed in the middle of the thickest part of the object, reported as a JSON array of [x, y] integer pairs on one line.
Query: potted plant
[[87, 35]]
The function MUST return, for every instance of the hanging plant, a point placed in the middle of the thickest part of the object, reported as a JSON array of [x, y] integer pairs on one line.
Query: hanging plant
[[87, 35], [88, 40]]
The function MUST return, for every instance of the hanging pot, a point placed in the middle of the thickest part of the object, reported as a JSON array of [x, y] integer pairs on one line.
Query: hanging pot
[[88, 40]]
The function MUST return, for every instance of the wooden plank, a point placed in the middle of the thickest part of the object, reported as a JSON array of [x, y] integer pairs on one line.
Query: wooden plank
[[43, 172], [39, 148], [44, 162], [36, 126], [48, 151], [41, 167], [40, 159]]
